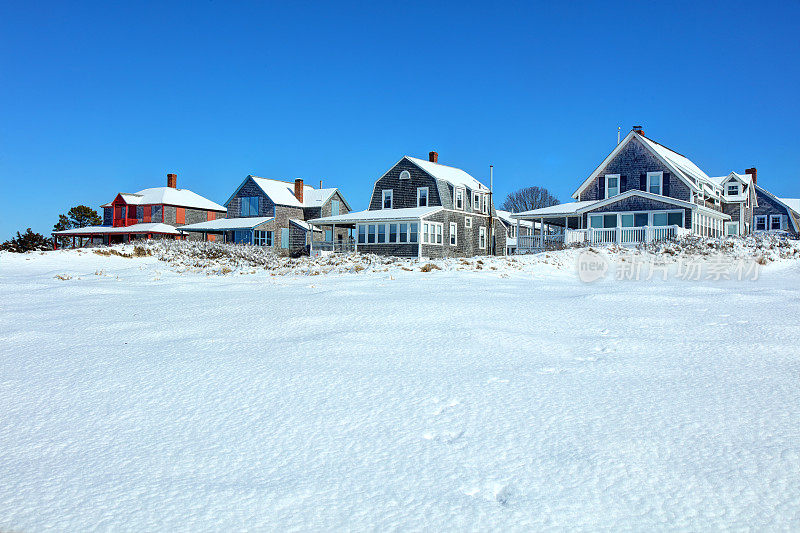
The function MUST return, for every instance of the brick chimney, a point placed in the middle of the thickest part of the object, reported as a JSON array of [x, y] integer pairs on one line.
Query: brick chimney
[[433, 157], [172, 181], [298, 189], [639, 130], [752, 172]]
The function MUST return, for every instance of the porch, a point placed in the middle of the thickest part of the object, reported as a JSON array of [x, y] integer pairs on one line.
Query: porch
[[618, 235]]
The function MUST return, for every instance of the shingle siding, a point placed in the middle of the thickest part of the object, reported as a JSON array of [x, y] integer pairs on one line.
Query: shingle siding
[[405, 191], [266, 208], [768, 206], [108, 216], [633, 162], [468, 239], [637, 203]]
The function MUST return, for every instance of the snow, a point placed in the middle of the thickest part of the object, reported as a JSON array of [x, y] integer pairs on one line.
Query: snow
[[378, 214], [222, 224], [170, 196], [452, 175], [146, 227], [678, 161], [792, 203], [569, 208], [155, 393], [505, 216]]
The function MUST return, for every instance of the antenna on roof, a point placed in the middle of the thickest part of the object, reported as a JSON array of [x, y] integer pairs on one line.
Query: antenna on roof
[[619, 128]]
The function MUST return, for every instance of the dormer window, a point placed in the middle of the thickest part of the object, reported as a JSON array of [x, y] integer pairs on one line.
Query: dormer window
[[612, 185], [405, 175], [476, 202], [460, 198], [655, 182], [733, 189], [387, 198], [422, 197]]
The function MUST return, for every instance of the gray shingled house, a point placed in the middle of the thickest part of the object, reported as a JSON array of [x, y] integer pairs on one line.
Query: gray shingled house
[[275, 213], [643, 191], [421, 208]]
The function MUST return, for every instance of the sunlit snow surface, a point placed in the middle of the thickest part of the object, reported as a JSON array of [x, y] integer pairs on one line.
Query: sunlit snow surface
[[137, 398]]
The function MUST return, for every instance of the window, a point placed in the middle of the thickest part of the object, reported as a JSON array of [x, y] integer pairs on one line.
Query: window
[[362, 234], [733, 189], [732, 228], [392, 232], [460, 198], [334, 207], [412, 232], [263, 238], [603, 221], [387, 199], [468, 222], [328, 235], [405, 175], [476, 202], [422, 197], [485, 203], [241, 236], [381, 233], [761, 222], [612, 185], [659, 219], [403, 232], [655, 182], [626, 220], [453, 234], [431, 233], [482, 237], [775, 222], [372, 233], [249, 206], [180, 215], [675, 218], [596, 221]]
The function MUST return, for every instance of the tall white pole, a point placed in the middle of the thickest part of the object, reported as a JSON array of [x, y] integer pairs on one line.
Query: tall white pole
[[618, 130]]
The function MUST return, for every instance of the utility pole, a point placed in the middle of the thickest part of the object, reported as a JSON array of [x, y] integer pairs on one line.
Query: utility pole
[[491, 205]]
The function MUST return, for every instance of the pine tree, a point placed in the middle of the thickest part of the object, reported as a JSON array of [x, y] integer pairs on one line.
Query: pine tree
[[27, 242], [79, 216]]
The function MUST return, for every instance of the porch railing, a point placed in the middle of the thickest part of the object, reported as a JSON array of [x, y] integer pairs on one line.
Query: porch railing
[[334, 246], [622, 236]]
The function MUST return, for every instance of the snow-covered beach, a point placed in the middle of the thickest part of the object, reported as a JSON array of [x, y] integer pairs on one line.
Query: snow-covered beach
[[143, 394]]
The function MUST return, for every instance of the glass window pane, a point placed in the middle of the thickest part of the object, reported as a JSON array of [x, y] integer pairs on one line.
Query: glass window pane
[[371, 235], [403, 232], [413, 232], [627, 220], [660, 219], [381, 232], [675, 219], [640, 219], [392, 232], [596, 221], [610, 221]]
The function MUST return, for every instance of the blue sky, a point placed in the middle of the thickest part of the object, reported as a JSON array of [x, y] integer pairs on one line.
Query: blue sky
[[98, 98]]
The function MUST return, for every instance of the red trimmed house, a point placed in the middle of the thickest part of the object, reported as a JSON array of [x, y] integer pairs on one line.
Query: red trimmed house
[[157, 212]]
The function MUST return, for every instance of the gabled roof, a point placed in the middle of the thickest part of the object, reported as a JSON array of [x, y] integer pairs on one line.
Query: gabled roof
[[282, 193], [452, 175], [720, 180], [678, 164], [169, 196], [793, 203], [571, 208]]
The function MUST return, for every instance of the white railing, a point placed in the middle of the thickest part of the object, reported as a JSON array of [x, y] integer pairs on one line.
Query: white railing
[[622, 236]]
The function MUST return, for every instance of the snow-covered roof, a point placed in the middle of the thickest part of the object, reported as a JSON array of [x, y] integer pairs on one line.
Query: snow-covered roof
[[169, 196], [570, 208], [452, 175], [378, 214], [223, 224], [148, 227], [305, 225], [793, 203], [719, 180], [505, 216], [678, 161], [282, 193]]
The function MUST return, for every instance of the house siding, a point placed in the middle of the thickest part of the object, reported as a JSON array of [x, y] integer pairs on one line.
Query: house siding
[[768, 206], [108, 216], [266, 207], [637, 203], [468, 239], [391, 249], [633, 162], [405, 191]]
